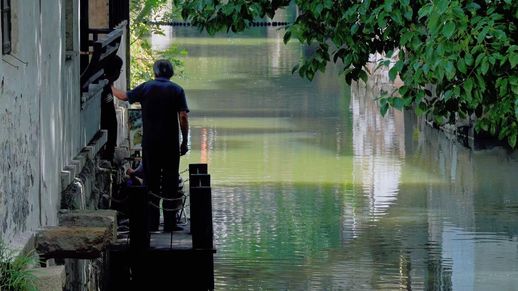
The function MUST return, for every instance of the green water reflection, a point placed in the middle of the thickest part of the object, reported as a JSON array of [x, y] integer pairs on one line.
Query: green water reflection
[[313, 190]]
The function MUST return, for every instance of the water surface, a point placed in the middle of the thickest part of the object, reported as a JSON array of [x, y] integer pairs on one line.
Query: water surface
[[314, 190]]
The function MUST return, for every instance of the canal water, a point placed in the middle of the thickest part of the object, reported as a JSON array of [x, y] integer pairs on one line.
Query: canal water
[[314, 190]]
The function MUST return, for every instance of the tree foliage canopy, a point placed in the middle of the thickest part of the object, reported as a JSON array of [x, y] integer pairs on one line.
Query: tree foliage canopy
[[466, 49]]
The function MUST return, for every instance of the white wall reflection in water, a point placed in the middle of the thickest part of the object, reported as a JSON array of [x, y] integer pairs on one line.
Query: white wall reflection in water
[[378, 145]]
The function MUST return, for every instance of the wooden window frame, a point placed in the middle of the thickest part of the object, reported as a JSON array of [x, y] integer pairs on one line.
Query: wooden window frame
[[6, 26]]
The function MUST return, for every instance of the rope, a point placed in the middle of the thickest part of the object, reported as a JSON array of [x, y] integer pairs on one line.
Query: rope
[[164, 209], [119, 201], [184, 171], [166, 199]]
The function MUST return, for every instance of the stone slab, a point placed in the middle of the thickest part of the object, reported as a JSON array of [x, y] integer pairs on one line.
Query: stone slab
[[73, 242], [90, 218]]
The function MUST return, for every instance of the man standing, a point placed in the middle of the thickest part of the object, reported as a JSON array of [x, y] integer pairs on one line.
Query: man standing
[[112, 71], [164, 111]]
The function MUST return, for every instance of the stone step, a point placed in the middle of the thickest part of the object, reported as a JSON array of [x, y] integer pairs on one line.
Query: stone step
[[89, 218], [73, 242], [50, 278]]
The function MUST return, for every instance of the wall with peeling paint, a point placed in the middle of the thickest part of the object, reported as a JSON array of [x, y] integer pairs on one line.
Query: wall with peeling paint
[[20, 128], [39, 117], [41, 138]]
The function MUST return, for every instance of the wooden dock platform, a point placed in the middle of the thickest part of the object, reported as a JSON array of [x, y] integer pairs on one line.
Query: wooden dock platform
[[166, 265], [161, 240], [178, 260]]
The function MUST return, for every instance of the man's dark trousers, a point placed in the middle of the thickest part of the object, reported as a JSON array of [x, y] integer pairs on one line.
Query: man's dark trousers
[[161, 174]]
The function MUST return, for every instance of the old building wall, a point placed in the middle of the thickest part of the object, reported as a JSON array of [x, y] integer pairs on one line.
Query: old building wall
[[20, 128], [39, 115], [51, 116], [70, 81]]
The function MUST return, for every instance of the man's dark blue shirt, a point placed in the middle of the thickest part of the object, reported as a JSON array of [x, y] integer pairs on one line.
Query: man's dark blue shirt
[[161, 100]]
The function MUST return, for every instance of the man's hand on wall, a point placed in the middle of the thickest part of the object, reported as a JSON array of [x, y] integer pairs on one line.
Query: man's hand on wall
[[183, 148]]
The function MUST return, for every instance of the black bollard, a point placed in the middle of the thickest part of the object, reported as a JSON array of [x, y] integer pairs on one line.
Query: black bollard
[[139, 235], [199, 180], [198, 169], [201, 217]]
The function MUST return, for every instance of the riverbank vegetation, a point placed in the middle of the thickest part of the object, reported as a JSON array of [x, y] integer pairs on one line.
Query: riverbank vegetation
[[14, 270], [142, 16], [458, 60]]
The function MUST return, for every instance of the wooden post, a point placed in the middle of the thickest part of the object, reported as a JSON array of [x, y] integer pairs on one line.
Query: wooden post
[[201, 218], [199, 180], [198, 169], [200, 206], [139, 235]]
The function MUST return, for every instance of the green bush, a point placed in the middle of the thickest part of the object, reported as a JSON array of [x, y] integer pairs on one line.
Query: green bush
[[14, 271]]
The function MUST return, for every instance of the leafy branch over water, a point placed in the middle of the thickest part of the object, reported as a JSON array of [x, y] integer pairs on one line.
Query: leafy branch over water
[[466, 51]]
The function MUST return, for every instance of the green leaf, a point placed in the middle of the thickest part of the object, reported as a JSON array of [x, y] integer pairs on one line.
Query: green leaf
[[354, 28], [295, 68], [456, 91], [442, 5], [468, 85], [384, 108], [450, 70], [406, 37], [425, 10], [503, 87], [363, 75], [468, 58], [512, 140], [403, 90], [393, 73], [447, 95], [287, 36], [448, 29], [461, 66], [318, 9], [485, 66], [398, 103], [513, 59], [482, 34]]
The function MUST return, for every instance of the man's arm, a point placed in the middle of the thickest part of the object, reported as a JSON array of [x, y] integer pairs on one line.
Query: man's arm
[[121, 95], [184, 127]]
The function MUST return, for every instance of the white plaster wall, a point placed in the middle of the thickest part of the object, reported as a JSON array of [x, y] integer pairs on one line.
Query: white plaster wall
[[70, 88], [39, 118], [40, 127], [20, 126], [51, 115]]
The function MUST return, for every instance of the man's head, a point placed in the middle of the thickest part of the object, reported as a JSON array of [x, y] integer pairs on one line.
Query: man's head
[[163, 69], [112, 69]]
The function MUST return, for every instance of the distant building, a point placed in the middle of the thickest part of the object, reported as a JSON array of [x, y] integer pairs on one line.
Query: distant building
[[50, 84]]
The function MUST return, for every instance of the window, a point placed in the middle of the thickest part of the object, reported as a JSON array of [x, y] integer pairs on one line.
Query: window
[[6, 26]]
